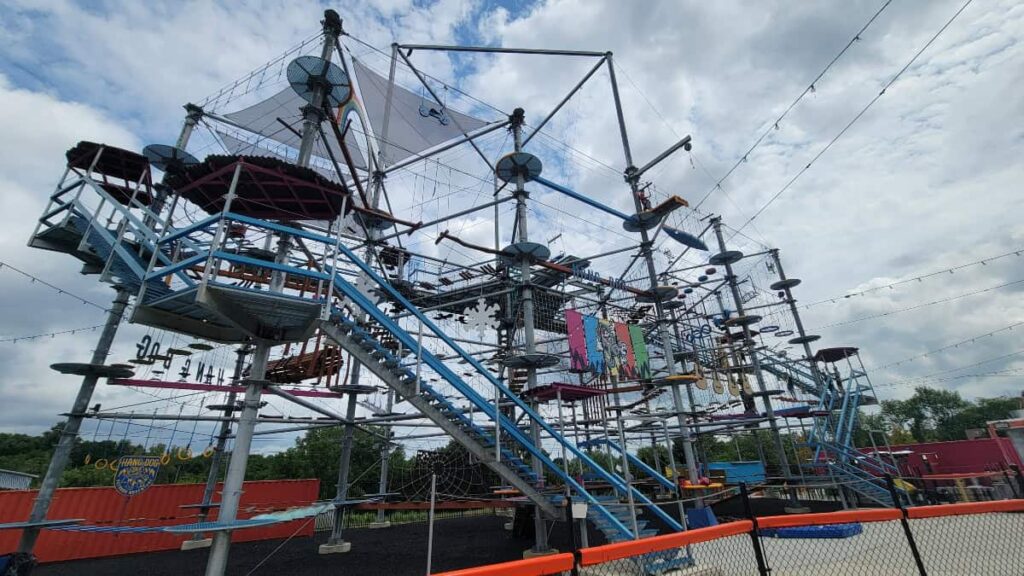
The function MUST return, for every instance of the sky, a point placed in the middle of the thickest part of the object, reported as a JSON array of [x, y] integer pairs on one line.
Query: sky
[[927, 180]]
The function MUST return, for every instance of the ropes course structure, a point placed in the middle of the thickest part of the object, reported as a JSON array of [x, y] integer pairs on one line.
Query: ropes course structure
[[348, 241]]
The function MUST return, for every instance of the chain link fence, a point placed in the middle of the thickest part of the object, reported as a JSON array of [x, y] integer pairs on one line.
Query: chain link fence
[[965, 539]]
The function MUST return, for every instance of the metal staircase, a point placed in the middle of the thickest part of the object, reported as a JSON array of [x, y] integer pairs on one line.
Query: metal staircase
[[831, 435], [360, 340]]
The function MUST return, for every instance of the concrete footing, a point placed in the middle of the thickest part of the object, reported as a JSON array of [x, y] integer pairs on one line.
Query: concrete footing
[[531, 553], [384, 524], [339, 548], [196, 544]]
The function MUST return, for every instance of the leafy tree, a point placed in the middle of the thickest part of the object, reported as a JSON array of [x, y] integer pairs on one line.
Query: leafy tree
[[924, 413]]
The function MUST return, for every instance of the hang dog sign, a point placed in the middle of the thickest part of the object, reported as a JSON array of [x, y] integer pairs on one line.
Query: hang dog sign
[[135, 474]]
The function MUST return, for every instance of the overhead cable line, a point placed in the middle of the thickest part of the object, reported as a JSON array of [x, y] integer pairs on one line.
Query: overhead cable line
[[857, 117], [811, 88], [943, 271], [62, 291], [17, 339], [917, 306], [970, 340], [918, 379]]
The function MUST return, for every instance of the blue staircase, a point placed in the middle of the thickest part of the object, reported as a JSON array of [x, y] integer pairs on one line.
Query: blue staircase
[[633, 460], [361, 339], [652, 564], [831, 436]]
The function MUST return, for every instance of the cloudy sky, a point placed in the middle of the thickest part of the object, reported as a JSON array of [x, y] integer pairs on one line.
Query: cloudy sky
[[928, 180]]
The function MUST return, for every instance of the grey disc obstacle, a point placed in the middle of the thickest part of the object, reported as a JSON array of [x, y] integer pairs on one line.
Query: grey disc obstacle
[[169, 158], [659, 294], [536, 360], [516, 164], [805, 339], [743, 320], [308, 73], [99, 370], [727, 257], [513, 253], [787, 283]]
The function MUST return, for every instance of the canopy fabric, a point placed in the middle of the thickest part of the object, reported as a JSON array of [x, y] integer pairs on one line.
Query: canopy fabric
[[280, 119], [417, 121]]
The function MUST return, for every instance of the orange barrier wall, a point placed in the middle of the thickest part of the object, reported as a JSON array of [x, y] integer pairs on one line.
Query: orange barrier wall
[[540, 566], [610, 552], [158, 506], [966, 508]]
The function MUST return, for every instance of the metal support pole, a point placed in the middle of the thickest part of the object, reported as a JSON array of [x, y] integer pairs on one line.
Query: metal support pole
[[336, 539], [222, 439], [628, 477], [808, 356], [216, 564], [748, 338], [68, 434], [526, 297], [313, 113], [385, 453], [430, 521], [675, 474], [632, 179]]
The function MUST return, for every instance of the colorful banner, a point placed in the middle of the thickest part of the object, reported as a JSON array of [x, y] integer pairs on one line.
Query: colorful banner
[[595, 357], [577, 341], [606, 348], [610, 345], [627, 361], [643, 360]]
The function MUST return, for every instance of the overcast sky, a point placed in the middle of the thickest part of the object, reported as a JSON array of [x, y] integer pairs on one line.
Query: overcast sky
[[929, 179]]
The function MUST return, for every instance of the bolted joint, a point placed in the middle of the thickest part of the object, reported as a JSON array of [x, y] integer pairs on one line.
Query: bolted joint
[[312, 113], [332, 23], [631, 174], [517, 118], [193, 112]]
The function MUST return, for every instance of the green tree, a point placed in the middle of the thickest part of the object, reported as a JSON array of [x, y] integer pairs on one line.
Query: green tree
[[924, 413]]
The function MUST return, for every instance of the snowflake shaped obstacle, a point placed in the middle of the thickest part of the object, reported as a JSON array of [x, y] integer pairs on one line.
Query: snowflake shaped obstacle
[[367, 288], [482, 317]]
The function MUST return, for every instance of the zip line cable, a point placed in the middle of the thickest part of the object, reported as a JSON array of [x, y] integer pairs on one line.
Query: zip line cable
[[857, 117], [17, 339], [917, 306], [36, 279], [918, 379], [809, 90], [983, 262], [970, 340]]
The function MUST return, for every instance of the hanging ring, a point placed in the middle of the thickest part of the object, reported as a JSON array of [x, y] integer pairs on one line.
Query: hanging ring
[[208, 452], [101, 463]]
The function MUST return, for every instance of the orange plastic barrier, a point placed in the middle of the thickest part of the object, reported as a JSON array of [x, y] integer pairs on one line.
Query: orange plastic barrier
[[966, 508], [618, 550], [539, 566], [841, 517]]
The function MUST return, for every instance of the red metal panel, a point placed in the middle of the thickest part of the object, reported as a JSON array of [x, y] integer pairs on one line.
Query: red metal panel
[[158, 506], [957, 457]]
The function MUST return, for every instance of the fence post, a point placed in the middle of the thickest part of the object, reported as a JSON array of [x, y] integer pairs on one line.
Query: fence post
[[1020, 479], [755, 538], [574, 537], [906, 525]]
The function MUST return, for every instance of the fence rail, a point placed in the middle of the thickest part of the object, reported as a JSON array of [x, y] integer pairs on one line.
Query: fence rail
[[974, 538]]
